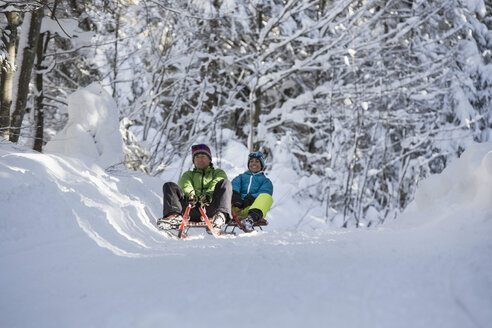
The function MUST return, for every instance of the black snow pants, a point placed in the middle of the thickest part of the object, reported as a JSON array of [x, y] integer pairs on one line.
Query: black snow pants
[[175, 201]]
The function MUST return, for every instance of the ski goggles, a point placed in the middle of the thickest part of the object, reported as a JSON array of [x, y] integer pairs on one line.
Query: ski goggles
[[255, 155], [201, 146], [200, 149]]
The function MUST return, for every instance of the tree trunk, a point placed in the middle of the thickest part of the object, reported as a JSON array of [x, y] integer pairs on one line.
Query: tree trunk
[[39, 109], [25, 74], [255, 92], [7, 72], [253, 114], [115, 58]]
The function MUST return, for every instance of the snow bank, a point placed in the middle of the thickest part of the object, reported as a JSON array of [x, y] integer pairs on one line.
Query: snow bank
[[92, 129], [79, 248], [464, 186], [51, 197]]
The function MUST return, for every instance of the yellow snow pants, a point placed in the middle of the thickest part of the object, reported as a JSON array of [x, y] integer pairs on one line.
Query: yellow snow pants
[[263, 202]]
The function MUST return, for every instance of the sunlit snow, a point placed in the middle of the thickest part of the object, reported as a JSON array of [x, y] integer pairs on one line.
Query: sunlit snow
[[79, 247]]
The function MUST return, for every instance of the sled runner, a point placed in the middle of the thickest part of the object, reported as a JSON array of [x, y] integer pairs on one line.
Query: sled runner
[[182, 231], [186, 224], [236, 222]]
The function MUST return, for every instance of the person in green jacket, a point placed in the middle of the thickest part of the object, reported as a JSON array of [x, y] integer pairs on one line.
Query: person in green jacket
[[203, 182]]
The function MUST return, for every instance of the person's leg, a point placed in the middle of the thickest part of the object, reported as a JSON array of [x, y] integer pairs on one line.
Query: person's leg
[[221, 199], [220, 209], [173, 206], [256, 211], [173, 199], [240, 212], [262, 205]]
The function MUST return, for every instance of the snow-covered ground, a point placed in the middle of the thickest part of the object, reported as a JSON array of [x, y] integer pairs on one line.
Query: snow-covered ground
[[79, 248]]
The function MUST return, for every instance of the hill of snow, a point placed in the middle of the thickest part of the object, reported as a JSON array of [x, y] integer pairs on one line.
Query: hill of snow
[[79, 248]]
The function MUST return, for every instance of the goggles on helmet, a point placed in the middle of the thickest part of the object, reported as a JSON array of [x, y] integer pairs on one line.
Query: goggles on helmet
[[201, 146], [255, 155]]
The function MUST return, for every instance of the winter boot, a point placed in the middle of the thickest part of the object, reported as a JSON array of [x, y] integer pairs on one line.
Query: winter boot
[[254, 215], [218, 220], [247, 224], [170, 222]]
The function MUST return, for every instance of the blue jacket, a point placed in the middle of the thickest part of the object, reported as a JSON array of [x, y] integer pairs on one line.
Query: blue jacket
[[253, 184]]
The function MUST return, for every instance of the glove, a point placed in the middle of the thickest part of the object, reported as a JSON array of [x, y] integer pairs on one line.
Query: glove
[[192, 198], [237, 200], [205, 199], [248, 200]]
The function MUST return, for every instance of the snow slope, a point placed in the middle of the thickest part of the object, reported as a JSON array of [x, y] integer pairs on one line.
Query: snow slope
[[78, 248]]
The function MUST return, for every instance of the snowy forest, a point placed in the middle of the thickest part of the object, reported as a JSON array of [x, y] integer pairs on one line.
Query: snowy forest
[[365, 97]]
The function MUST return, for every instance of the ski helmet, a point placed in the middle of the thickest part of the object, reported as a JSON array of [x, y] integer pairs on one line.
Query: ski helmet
[[258, 155]]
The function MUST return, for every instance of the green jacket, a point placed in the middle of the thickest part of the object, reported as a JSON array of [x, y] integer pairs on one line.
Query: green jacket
[[201, 181]]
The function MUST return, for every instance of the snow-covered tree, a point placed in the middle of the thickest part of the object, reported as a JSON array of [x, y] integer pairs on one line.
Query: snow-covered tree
[[363, 97], [366, 91]]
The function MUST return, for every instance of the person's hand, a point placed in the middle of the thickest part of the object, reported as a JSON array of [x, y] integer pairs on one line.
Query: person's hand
[[248, 200], [205, 199], [192, 198], [237, 200]]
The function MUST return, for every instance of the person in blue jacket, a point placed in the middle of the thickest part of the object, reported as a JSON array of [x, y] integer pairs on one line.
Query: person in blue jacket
[[252, 192]]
